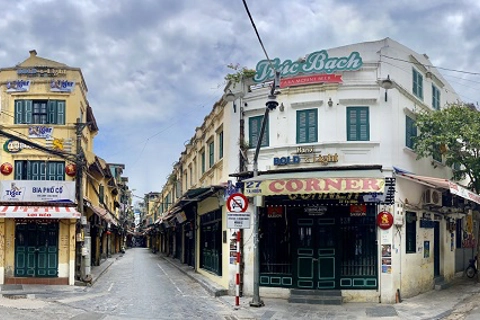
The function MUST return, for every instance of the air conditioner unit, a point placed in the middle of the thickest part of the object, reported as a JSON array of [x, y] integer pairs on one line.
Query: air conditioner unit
[[433, 197]]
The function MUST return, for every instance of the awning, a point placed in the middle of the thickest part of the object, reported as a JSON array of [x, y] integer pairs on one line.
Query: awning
[[432, 182], [308, 182], [42, 212], [104, 214]]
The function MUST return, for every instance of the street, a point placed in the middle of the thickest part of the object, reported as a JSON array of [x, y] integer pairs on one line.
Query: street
[[138, 285]]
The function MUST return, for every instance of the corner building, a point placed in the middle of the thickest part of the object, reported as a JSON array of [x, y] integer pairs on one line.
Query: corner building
[[41, 102]]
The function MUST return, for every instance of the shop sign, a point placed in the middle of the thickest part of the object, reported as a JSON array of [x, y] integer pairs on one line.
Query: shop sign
[[283, 161], [59, 144], [62, 86], [385, 220], [38, 191], [41, 72], [322, 159], [238, 220], [13, 146], [358, 210], [314, 185], [311, 79], [40, 132], [374, 197], [316, 62], [315, 210], [6, 168], [275, 212], [18, 86]]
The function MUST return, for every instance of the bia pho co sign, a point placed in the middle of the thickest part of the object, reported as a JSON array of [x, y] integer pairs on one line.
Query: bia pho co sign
[[316, 62]]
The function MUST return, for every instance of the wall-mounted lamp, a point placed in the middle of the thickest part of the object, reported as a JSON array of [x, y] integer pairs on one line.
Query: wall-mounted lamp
[[229, 96], [282, 107], [330, 102], [387, 84]]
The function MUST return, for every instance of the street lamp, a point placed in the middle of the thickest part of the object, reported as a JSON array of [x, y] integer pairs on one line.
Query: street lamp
[[271, 104]]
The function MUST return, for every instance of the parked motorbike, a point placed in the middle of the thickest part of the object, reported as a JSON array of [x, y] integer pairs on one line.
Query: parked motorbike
[[471, 270]]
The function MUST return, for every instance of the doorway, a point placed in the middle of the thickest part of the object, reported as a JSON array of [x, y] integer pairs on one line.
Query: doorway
[[36, 249]]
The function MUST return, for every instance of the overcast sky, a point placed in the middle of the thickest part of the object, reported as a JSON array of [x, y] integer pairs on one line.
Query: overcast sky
[[154, 68]]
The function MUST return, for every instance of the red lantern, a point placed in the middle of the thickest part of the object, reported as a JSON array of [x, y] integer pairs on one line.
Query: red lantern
[[6, 168], [71, 170]]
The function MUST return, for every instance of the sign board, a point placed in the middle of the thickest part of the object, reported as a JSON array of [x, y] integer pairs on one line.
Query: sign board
[[237, 202], [37, 191], [238, 220]]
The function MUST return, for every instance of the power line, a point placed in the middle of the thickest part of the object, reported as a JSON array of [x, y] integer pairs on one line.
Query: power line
[[258, 35]]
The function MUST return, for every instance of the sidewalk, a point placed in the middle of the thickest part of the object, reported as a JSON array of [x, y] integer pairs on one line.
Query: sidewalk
[[461, 296]]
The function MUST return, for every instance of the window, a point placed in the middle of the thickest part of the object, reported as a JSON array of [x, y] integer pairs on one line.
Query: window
[[437, 154], [39, 170], [358, 124], [410, 132], [190, 169], [417, 84], [307, 126], [39, 112], [211, 154], [435, 98], [254, 125], [220, 145], [203, 161], [411, 232]]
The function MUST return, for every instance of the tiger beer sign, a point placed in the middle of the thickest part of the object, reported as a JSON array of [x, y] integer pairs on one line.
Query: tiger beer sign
[[274, 187]]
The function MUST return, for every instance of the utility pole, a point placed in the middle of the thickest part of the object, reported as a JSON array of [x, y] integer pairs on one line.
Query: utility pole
[[83, 250], [271, 104]]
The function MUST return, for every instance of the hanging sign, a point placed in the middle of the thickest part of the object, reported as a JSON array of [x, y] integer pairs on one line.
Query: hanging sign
[[384, 220], [238, 220]]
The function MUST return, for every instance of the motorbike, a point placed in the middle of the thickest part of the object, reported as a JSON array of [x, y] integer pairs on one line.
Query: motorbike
[[471, 270]]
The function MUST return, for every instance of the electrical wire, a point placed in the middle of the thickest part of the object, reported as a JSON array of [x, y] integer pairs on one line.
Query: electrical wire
[[258, 35]]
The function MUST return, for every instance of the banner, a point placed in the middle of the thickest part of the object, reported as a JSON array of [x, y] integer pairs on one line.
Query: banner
[[274, 187], [38, 191]]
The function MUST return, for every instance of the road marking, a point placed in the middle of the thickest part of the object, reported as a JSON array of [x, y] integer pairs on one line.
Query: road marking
[[111, 286], [170, 279]]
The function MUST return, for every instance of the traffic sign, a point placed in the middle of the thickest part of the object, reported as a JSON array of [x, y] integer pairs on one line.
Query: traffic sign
[[237, 202]]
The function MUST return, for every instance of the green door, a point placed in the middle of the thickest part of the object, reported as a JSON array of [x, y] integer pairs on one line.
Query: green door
[[36, 249], [315, 255]]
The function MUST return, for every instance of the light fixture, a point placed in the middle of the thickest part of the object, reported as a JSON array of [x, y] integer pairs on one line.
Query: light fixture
[[330, 102], [229, 96], [387, 84]]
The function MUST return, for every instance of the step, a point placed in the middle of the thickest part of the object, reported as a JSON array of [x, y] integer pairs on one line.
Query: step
[[314, 299], [315, 292]]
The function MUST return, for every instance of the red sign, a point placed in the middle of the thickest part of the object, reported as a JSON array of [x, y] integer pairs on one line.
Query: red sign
[[6, 168], [384, 220], [237, 202], [71, 170], [310, 79]]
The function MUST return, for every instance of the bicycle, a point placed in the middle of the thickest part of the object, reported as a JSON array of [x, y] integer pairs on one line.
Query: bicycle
[[471, 270]]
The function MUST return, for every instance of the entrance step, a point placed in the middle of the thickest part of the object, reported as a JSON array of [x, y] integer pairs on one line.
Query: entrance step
[[333, 297]]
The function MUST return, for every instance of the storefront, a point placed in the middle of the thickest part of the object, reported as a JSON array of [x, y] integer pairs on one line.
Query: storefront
[[318, 229]]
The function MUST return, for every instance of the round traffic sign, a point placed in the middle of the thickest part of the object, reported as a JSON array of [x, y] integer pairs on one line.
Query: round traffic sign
[[237, 202]]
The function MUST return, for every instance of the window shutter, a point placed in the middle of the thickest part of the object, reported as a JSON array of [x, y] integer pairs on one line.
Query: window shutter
[[307, 126], [51, 108], [364, 126], [28, 111], [19, 165], [19, 109], [255, 124], [358, 124], [60, 112]]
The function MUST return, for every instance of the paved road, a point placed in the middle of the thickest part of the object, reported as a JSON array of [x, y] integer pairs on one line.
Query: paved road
[[137, 286]]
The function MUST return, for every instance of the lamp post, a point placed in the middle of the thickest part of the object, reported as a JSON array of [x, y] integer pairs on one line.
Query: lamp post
[[271, 104]]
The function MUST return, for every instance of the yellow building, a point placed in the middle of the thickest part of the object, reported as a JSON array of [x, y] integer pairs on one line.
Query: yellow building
[[43, 106]]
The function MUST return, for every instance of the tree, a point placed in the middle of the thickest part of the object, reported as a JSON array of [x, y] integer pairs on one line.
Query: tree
[[239, 74], [453, 133]]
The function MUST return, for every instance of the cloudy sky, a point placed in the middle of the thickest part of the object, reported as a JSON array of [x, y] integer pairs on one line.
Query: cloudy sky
[[155, 68]]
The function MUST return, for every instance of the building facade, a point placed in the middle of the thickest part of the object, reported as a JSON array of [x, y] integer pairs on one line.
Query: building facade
[[343, 202]]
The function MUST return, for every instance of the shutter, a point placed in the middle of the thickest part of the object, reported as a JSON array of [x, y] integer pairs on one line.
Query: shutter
[[351, 124], [301, 127], [28, 111], [51, 111], [312, 126], [19, 166], [19, 110], [254, 130], [307, 126], [60, 112], [364, 125]]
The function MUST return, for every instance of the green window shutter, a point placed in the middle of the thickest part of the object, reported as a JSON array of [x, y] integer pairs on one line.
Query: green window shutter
[[51, 110], [211, 154], [358, 124], [417, 84], [435, 98], [60, 112], [203, 161], [307, 128], [254, 125], [410, 132], [19, 111], [19, 166], [220, 145], [28, 111]]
